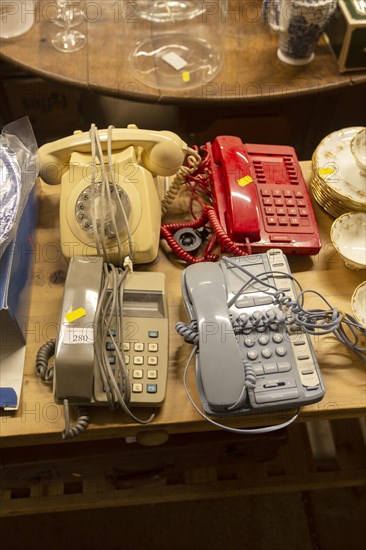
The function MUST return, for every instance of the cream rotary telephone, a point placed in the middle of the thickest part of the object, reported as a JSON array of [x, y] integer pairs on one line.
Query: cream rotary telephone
[[109, 204]]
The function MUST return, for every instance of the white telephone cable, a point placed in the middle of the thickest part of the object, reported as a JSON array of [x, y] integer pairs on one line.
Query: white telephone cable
[[123, 211], [93, 182], [107, 176], [109, 307], [104, 191], [98, 231]]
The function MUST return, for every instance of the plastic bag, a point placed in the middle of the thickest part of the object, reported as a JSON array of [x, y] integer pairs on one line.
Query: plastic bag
[[18, 172]]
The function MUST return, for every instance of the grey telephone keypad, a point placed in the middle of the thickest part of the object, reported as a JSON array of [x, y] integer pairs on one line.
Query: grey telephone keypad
[[283, 360], [143, 360]]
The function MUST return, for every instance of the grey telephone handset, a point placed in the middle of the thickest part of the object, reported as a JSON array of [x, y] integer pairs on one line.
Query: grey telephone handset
[[251, 356], [112, 346], [205, 296]]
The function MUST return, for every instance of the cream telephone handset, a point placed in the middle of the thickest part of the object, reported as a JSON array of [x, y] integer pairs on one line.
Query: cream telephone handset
[[109, 203]]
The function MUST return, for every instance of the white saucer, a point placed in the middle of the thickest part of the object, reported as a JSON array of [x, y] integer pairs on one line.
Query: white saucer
[[336, 165], [16, 18], [348, 235], [358, 303]]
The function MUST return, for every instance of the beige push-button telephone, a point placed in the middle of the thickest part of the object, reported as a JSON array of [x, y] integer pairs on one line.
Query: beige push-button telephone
[[109, 204], [112, 346]]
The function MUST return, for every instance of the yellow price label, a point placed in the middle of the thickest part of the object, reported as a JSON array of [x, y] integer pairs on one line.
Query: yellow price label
[[326, 171], [245, 181], [75, 315], [186, 77]]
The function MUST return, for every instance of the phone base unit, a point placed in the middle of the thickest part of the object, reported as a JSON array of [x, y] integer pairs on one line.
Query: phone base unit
[[137, 192], [261, 197], [276, 358], [109, 204], [143, 344]]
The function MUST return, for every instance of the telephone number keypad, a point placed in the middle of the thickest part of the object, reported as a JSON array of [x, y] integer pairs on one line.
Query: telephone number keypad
[[285, 209], [142, 363]]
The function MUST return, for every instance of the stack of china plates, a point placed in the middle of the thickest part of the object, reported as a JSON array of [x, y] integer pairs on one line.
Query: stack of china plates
[[337, 184]]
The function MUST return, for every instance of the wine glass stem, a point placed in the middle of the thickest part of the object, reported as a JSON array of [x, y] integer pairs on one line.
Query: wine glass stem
[[66, 18]]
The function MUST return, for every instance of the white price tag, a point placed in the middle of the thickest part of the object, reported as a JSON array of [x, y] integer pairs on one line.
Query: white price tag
[[77, 335], [174, 60]]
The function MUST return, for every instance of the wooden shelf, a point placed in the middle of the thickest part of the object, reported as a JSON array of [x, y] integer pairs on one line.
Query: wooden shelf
[[187, 467]]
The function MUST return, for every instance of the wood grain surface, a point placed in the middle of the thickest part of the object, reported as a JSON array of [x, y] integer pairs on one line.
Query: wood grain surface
[[40, 420], [251, 72]]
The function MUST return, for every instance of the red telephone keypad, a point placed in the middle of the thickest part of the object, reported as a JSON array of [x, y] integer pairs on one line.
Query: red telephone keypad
[[282, 210]]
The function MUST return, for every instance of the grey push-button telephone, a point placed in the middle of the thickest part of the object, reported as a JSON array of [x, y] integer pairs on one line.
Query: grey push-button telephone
[[112, 346], [251, 356]]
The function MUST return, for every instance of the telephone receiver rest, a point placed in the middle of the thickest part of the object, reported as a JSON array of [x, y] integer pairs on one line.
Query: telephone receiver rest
[[163, 151], [220, 369]]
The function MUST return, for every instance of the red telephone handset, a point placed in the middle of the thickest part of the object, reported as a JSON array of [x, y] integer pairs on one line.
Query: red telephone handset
[[234, 192]]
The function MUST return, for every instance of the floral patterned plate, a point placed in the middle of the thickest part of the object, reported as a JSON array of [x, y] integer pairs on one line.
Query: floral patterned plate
[[335, 164], [348, 235]]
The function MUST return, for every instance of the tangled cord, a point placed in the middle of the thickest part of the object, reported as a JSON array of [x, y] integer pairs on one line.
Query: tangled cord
[[208, 215], [46, 373], [316, 322], [110, 307], [197, 177], [107, 178]]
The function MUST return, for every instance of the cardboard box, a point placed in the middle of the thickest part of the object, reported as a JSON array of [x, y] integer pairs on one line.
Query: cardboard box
[[15, 276], [346, 35]]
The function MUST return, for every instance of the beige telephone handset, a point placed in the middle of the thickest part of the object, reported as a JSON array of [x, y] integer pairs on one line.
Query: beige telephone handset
[[129, 209]]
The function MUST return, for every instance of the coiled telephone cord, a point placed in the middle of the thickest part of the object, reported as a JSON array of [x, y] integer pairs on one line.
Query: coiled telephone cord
[[45, 373], [193, 161], [44, 354], [189, 331], [81, 423], [226, 244], [167, 231]]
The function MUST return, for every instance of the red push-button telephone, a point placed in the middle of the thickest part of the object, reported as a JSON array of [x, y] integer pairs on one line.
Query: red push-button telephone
[[260, 194], [254, 197]]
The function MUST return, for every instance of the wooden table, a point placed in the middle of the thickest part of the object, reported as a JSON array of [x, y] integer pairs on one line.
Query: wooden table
[[251, 74], [33, 433], [39, 420]]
